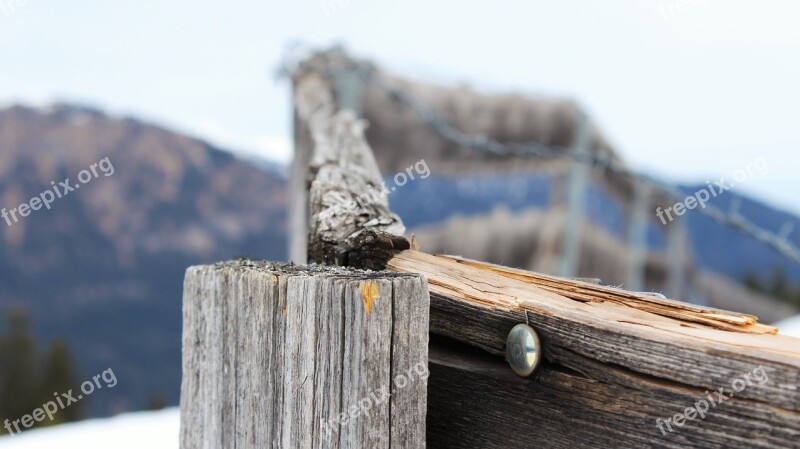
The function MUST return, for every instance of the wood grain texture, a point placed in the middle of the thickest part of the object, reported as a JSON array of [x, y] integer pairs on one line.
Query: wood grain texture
[[617, 347], [349, 218], [475, 400], [298, 191], [587, 292], [293, 357]]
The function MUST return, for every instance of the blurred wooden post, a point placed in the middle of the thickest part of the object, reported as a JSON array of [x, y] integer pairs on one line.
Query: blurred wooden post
[[303, 357], [637, 236], [345, 88], [576, 199], [298, 191], [349, 91], [676, 258]]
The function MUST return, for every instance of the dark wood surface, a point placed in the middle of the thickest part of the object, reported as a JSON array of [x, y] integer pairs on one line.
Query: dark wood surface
[[611, 370], [476, 401]]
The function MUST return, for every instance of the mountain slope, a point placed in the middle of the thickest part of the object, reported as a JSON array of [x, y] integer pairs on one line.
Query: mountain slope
[[104, 266]]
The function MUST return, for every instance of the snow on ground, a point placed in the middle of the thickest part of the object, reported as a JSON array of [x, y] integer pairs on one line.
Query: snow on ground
[[789, 326], [140, 430]]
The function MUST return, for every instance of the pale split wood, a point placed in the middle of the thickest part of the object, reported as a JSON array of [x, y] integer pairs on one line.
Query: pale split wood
[[587, 292], [275, 356]]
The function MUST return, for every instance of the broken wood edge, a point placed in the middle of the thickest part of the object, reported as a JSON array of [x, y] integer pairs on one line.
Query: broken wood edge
[[586, 292], [684, 313]]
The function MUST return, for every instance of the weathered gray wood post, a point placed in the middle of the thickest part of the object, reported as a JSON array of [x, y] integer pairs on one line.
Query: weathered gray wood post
[[286, 356], [293, 356]]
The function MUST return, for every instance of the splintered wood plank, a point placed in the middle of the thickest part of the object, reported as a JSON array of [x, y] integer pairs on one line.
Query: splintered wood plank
[[302, 357], [586, 292], [476, 305]]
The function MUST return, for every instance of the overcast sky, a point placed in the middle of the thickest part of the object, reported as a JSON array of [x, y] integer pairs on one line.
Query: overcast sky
[[688, 90]]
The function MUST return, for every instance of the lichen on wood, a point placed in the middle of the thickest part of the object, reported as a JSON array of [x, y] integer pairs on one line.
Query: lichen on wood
[[349, 218]]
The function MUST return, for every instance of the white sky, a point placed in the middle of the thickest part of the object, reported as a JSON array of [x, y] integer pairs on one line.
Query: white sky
[[686, 89]]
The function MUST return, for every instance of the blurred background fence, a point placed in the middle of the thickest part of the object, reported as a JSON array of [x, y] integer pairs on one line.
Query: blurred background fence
[[566, 202]]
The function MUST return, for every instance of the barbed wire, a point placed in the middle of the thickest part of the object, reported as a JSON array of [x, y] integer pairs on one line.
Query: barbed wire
[[778, 241]]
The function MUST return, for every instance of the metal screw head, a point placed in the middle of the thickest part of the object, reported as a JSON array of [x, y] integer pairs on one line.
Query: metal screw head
[[523, 350]]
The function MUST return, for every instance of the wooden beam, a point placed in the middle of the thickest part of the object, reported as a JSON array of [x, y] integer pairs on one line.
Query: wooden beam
[[474, 400], [613, 357], [298, 192], [303, 357], [350, 221], [576, 199]]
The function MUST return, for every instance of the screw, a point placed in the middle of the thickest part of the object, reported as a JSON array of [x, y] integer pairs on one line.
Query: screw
[[523, 350]]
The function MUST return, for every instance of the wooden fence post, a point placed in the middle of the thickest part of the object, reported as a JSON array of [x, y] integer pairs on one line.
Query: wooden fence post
[[637, 236], [286, 356], [576, 199]]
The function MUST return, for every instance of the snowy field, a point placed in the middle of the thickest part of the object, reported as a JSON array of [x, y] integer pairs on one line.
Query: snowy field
[[789, 326], [140, 430]]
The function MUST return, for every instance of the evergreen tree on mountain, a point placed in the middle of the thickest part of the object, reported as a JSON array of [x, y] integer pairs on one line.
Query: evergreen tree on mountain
[[28, 381], [18, 386], [58, 376]]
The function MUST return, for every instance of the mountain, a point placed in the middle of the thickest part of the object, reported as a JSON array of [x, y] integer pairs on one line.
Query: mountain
[[103, 266]]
